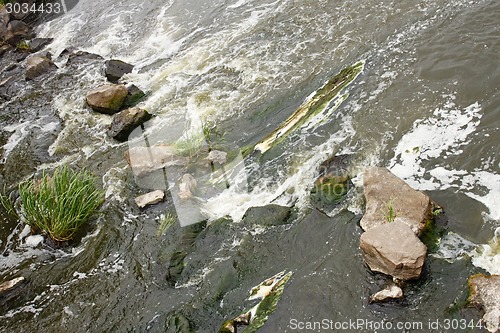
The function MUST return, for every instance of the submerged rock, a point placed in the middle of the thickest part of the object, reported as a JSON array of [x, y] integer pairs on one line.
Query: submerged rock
[[393, 249], [124, 122], [115, 69], [390, 292], [11, 284], [150, 198], [34, 240], [485, 294], [37, 66], [107, 99], [383, 192]]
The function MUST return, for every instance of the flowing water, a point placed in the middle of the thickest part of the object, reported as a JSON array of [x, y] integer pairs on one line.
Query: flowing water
[[427, 105]]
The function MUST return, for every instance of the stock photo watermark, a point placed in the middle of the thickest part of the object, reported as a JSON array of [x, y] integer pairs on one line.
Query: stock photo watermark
[[451, 325]]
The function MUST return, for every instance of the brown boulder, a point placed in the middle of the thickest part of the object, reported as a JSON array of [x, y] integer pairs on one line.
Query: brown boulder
[[107, 99], [393, 249], [383, 189], [485, 293], [37, 66], [17, 31]]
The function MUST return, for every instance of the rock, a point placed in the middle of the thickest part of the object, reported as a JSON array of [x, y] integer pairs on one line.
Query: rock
[[144, 160], [115, 69], [34, 240], [126, 121], [134, 95], [267, 215], [150, 198], [11, 284], [5, 48], [393, 249], [390, 292], [217, 156], [485, 294], [37, 66], [25, 232], [17, 31], [107, 99], [382, 188], [77, 57], [187, 186], [19, 15], [36, 44]]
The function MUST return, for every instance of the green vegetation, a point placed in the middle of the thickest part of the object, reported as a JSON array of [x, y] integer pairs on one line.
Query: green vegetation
[[390, 213], [166, 222], [192, 145], [58, 205], [22, 46]]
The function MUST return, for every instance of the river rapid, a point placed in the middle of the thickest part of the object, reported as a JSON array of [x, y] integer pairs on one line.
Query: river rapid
[[426, 105]]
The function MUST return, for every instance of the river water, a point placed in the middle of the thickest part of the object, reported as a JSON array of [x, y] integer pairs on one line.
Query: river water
[[427, 105]]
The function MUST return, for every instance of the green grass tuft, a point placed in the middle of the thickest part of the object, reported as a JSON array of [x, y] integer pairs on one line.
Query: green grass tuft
[[61, 204], [166, 222]]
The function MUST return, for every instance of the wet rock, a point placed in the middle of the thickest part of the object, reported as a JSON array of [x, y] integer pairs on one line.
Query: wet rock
[[11, 284], [267, 215], [5, 48], [115, 69], [107, 99], [217, 156], [17, 31], [126, 121], [485, 294], [187, 186], [37, 44], [134, 95], [393, 249], [77, 57], [150, 198], [37, 66], [144, 160], [390, 292], [383, 189]]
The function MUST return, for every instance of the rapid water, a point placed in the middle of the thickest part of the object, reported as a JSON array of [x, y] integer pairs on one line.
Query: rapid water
[[427, 106]]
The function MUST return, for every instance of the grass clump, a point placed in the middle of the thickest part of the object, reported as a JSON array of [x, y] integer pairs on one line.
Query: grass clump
[[166, 222], [61, 204], [390, 213]]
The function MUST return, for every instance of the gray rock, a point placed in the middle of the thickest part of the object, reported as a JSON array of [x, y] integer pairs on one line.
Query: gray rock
[[134, 95], [390, 292], [10, 285], [150, 198], [393, 249], [187, 186], [36, 44], [5, 48], [381, 188], [126, 121], [107, 99], [37, 66], [268, 215], [115, 69], [485, 293], [217, 156]]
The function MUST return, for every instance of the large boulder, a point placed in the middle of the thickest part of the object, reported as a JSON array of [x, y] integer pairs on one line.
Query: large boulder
[[383, 192], [126, 121], [17, 31], [37, 44], [115, 69], [36, 66], [107, 99], [393, 249], [268, 215], [485, 294]]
